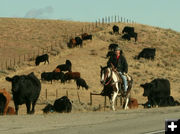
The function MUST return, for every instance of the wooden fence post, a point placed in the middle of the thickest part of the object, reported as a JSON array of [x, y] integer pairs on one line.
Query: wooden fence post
[[104, 102], [14, 61], [90, 98], [78, 97], [46, 93]]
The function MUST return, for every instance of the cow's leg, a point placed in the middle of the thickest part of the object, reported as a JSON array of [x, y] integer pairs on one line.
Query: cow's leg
[[28, 106], [33, 106], [16, 107]]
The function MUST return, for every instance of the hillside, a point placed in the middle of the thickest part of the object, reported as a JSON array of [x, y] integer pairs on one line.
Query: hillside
[[87, 60]]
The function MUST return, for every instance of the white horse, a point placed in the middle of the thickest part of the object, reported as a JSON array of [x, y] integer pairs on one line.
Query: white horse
[[110, 79]]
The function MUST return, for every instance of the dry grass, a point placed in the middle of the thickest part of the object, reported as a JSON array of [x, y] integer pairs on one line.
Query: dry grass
[[87, 60]]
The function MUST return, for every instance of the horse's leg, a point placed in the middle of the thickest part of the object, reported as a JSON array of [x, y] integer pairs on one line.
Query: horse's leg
[[113, 100], [126, 103]]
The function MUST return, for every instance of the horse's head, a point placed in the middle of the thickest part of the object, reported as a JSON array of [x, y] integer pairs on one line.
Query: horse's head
[[105, 74]]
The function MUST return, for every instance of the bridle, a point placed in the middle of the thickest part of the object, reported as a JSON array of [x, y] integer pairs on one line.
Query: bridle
[[105, 78]]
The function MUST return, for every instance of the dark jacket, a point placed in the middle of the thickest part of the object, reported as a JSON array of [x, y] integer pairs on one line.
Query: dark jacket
[[120, 64]]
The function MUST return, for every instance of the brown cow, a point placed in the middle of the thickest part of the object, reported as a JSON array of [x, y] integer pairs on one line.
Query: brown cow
[[71, 75], [57, 70], [84, 35], [72, 43], [8, 98], [133, 103], [11, 111]]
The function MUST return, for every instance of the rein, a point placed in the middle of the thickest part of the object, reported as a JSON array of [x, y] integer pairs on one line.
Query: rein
[[107, 83]]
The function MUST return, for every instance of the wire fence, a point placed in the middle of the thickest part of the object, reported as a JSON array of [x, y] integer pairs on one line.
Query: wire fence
[[92, 27]]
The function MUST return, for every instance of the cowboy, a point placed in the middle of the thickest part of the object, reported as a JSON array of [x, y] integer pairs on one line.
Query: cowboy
[[120, 64]]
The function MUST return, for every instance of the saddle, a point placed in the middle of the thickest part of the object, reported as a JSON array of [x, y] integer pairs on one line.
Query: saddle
[[121, 81]]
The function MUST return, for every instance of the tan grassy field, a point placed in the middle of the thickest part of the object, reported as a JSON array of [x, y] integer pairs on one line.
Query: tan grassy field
[[87, 60]]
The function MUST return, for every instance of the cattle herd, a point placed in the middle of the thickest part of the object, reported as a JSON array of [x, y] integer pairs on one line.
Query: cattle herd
[[26, 88], [78, 41]]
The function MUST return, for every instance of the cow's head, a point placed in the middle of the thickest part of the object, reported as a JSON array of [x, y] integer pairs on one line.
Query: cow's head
[[147, 88], [37, 62], [2, 103], [16, 81]]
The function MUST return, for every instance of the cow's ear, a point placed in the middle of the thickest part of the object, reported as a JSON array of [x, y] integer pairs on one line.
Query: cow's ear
[[101, 67], [142, 85], [9, 79]]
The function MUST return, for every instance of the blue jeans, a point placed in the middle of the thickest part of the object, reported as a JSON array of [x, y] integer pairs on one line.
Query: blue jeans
[[124, 81]]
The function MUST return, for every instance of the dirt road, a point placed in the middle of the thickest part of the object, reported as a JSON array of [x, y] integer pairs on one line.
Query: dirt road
[[118, 122]]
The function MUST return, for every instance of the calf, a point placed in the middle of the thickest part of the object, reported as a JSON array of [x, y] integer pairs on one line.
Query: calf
[[133, 103], [71, 75], [65, 67], [5, 98], [48, 108], [81, 83], [147, 53], [115, 29], [63, 104], [42, 58]]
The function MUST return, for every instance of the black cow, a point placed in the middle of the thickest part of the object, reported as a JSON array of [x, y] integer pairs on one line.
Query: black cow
[[81, 83], [65, 67], [128, 36], [147, 53], [25, 90], [162, 102], [2, 103], [49, 76], [86, 36], [63, 104], [79, 41], [156, 91], [128, 30], [110, 53], [42, 58], [113, 47], [115, 29]]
